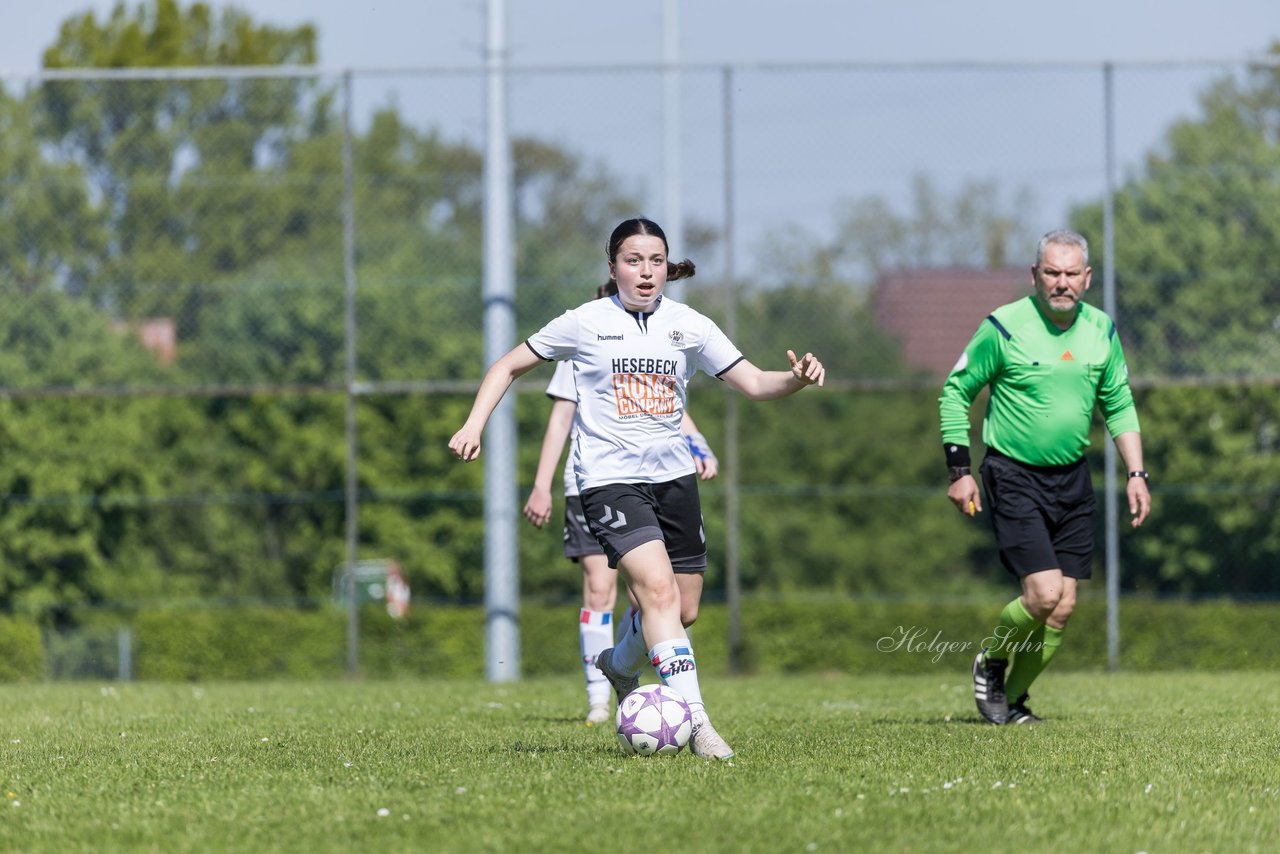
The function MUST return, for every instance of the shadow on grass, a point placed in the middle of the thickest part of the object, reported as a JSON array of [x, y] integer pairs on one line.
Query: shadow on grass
[[936, 721], [975, 721], [571, 720], [584, 748]]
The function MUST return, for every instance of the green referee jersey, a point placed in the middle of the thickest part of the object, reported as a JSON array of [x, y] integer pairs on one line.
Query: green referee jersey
[[1044, 381]]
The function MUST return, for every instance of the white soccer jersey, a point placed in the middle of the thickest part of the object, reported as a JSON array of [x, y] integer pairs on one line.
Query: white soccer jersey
[[561, 387], [631, 371]]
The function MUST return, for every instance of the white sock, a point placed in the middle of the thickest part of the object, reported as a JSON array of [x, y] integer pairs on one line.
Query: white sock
[[629, 653], [673, 659], [595, 634]]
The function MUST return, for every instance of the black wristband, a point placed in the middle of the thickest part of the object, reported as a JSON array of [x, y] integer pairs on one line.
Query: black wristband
[[957, 455], [1140, 473]]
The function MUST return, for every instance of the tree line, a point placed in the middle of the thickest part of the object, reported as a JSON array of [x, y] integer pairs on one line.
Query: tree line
[[217, 203]]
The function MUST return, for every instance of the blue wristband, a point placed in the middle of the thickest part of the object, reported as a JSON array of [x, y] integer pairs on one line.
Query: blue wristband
[[698, 447]]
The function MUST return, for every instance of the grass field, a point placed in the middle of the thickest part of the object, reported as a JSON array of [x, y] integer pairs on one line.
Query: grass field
[[1127, 763]]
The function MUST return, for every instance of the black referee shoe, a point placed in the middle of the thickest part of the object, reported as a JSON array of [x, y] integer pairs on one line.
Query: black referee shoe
[[1020, 714], [988, 688]]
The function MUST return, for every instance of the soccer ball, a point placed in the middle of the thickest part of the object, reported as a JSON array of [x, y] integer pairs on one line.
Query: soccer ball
[[653, 719]]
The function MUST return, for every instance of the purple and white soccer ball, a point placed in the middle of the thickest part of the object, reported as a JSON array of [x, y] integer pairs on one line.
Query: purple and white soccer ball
[[653, 719]]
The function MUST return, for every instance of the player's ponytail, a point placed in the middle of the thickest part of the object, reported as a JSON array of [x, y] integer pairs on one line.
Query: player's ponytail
[[680, 270]]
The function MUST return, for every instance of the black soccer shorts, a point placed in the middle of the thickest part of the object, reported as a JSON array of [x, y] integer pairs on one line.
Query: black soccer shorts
[[1042, 515], [625, 515], [579, 542]]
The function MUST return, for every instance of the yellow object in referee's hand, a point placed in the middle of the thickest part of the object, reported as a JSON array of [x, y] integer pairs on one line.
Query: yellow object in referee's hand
[[973, 508]]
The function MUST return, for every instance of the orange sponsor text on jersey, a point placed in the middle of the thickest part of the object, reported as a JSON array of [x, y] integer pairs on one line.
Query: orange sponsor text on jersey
[[645, 394]]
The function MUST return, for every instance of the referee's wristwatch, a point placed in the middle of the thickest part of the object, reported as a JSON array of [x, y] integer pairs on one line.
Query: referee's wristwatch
[[954, 473], [1142, 473]]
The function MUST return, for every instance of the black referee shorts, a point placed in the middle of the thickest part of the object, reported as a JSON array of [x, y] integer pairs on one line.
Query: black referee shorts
[[1042, 515], [625, 515]]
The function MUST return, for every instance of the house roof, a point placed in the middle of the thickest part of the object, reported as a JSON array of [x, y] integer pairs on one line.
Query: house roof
[[934, 312]]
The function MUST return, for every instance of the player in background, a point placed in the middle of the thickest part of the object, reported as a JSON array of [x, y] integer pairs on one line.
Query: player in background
[[599, 580], [1048, 360], [633, 355]]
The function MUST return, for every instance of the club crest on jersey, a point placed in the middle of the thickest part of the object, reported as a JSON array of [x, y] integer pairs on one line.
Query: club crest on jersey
[[677, 338]]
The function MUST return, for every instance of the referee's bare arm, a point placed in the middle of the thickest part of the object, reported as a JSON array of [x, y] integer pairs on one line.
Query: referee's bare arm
[[1129, 445]]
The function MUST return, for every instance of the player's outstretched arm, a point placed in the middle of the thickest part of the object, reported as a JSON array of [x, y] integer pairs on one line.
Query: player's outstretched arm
[[756, 384], [538, 508], [465, 444]]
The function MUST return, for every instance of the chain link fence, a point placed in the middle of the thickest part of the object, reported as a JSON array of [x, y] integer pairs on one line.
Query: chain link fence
[[203, 267]]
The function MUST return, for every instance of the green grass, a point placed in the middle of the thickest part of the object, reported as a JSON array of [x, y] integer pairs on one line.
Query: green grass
[[1127, 763]]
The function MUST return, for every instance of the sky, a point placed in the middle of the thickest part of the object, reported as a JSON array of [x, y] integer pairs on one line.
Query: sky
[[380, 33], [806, 143]]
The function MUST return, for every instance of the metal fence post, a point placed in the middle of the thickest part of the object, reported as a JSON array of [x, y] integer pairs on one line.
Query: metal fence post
[[1110, 500], [349, 308]]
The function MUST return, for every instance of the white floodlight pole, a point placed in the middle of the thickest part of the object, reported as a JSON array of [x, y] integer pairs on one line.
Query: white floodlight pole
[[501, 569], [673, 210]]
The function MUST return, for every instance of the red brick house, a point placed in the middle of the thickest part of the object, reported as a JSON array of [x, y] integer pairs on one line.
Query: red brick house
[[934, 312]]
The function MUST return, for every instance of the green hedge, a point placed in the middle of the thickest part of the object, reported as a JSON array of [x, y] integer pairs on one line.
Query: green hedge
[[23, 658], [825, 634], [914, 637], [240, 643]]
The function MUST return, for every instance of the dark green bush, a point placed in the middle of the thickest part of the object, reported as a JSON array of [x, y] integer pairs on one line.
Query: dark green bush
[[238, 643], [23, 659]]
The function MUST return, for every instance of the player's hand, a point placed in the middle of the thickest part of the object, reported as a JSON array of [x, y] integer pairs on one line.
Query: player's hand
[[465, 444], [807, 370], [704, 462], [538, 508], [964, 494], [1139, 500], [707, 467]]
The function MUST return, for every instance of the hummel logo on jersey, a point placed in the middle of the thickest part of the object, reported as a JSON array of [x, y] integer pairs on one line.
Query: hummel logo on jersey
[[609, 337], [1067, 357], [607, 518]]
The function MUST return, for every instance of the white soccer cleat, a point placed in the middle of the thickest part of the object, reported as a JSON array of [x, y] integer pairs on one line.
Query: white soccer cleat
[[706, 742], [623, 684], [598, 715]]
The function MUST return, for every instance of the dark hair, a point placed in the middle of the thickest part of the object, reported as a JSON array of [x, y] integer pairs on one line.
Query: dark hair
[[639, 225]]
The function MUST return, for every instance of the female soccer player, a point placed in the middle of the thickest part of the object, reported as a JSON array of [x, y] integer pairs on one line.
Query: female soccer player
[[599, 580], [632, 356]]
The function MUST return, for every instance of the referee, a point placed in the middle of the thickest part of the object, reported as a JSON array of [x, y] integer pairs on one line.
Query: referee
[[1048, 359]]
